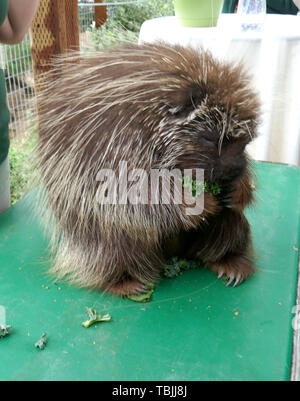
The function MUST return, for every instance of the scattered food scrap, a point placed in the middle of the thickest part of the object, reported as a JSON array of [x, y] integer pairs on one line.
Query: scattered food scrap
[[95, 317], [42, 342], [4, 330]]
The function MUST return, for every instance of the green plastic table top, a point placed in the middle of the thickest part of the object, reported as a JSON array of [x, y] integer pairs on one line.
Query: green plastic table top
[[194, 328]]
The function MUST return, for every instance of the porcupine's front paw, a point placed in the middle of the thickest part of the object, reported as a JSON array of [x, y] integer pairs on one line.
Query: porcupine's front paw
[[240, 195], [228, 200], [236, 268], [128, 287]]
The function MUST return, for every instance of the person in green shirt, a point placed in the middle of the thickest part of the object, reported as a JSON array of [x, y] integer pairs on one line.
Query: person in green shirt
[[297, 4], [273, 6], [15, 19]]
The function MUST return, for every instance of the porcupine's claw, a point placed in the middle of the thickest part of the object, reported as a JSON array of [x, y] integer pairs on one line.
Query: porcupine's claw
[[221, 274], [226, 201], [238, 280], [235, 280], [233, 271], [142, 289], [231, 278]]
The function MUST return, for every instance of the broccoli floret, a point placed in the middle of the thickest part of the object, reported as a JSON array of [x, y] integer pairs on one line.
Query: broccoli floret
[[176, 266], [196, 188]]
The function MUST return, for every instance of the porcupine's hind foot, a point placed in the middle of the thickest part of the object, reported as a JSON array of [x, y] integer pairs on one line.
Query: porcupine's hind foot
[[133, 265], [128, 287], [237, 268]]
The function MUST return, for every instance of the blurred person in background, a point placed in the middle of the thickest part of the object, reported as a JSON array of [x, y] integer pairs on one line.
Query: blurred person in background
[[297, 3], [273, 6]]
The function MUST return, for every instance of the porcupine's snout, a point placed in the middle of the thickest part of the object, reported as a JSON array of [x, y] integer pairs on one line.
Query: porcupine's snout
[[221, 164], [231, 163]]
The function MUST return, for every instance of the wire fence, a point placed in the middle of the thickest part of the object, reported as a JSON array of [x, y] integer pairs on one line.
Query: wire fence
[[16, 61], [17, 66], [86, 16], [86, 20]]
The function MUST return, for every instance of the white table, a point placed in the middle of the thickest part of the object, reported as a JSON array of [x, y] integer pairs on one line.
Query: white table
[[272, 56]]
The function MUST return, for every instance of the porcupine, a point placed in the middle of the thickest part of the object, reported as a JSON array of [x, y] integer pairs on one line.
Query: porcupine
[[155, 106]]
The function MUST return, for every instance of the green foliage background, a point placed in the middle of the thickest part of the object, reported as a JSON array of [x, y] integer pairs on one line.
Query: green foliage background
[[21, 165], [124, 22], [132, 16]]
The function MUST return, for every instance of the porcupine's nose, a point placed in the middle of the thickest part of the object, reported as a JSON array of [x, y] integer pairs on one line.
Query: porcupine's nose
[[232, 166], [231, 163]]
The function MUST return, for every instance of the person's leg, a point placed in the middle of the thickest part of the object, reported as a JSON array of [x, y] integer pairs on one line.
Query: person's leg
[[4, 186]]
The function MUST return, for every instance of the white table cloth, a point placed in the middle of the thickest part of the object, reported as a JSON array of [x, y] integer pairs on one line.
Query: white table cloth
[[272, 56]]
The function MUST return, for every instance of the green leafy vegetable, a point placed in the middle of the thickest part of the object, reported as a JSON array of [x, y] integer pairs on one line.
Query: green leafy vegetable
[[95, 317], [176, 266], [196, 188], [211, 188], [141, 297], [42, 342], [171, 271]]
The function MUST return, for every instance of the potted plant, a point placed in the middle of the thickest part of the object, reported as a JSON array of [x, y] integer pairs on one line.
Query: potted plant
[[198, 13]]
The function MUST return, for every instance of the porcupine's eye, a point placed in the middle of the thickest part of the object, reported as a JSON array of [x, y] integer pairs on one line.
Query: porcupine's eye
[[208, 136], [184, 103]]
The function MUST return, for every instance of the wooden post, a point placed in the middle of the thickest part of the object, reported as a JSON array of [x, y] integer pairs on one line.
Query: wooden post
[[54, 31], [72, 24], [100, 14]]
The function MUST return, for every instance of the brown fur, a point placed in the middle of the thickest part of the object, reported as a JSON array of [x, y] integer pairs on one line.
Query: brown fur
[[154, 106]]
